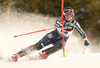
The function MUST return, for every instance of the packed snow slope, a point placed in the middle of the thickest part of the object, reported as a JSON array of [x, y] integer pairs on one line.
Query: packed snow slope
[[70, 61], [26, 22]]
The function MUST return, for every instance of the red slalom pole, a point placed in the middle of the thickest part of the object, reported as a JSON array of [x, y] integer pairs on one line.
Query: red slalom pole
[[63, 30], [32, 32]]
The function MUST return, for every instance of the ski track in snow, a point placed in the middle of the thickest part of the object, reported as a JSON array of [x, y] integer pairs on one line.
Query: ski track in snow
[[70, 61]]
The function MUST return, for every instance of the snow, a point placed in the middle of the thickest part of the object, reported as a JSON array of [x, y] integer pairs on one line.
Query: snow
[[70, 61], [26, 22]]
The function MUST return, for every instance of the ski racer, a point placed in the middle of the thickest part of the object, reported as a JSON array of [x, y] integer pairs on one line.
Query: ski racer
[[55, 37]]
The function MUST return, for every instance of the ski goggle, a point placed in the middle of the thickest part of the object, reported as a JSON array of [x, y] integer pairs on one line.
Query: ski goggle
[[69, 14]]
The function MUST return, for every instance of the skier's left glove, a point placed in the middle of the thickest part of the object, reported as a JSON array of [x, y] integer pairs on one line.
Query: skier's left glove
[[86, 42]]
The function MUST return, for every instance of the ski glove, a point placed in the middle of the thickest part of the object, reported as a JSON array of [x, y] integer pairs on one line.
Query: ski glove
[[86, 42]]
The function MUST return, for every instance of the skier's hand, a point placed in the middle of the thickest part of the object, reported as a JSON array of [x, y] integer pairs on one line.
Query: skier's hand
[[86, 42]]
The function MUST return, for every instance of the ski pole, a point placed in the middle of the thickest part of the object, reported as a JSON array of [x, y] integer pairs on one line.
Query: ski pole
[[32, 32], [84, 50]]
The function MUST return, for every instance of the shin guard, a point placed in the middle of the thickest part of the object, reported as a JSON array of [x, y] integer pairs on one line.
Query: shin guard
[[52, 49]]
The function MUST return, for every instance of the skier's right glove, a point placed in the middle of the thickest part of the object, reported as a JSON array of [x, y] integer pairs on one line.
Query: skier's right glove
[[86, 42]]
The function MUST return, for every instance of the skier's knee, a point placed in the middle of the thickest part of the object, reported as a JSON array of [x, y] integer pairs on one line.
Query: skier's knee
[[59, 46]]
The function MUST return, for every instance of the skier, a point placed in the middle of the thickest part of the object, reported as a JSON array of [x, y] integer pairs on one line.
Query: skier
[[55, 36]]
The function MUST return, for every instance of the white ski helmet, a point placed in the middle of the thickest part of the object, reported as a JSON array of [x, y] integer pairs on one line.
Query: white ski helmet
[[68, 11]]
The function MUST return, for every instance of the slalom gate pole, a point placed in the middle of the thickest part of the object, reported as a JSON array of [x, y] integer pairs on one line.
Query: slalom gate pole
[[32, 32], [84, 50], [63, 29]]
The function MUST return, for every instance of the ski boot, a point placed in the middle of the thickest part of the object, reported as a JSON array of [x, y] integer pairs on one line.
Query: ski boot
[[15, 57], [44, 56]]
